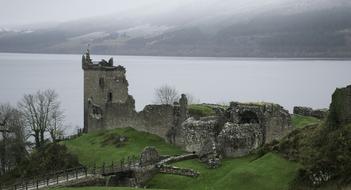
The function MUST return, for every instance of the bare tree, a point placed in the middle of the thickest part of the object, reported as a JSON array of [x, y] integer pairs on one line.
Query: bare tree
[[56, 127], [40, 110], [166, 95]]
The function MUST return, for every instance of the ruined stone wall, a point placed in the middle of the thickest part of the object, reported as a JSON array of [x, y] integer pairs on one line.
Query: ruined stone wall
[[156, 119], [307, 111], [103, 87], [340, 107], [237, 140], [198, 135], [274, 120]]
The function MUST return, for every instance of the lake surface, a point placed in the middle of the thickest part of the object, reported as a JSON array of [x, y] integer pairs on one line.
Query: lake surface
[[212, 80]]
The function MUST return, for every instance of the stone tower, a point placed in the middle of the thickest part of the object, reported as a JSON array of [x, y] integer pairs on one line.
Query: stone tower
[[106, 98]]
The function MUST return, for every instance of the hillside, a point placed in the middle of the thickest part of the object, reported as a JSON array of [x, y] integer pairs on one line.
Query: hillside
[[104, 146], [269, 172], [316, 28]]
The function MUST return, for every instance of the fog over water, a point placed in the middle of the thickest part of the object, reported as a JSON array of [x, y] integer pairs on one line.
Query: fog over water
[[212, 80]]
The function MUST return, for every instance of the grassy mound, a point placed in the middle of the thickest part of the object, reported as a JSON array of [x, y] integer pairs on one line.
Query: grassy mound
[[100, 147], [299, 121], [267, 172], [200, 110]]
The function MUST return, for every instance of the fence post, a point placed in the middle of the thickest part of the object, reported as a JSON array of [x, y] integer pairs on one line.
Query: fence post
[[86, 171], [76, 173], [103, 168], [15, 186], [26, 185], [66, 174], [112, 165], [47, 180], [57, 178], [37, 184]]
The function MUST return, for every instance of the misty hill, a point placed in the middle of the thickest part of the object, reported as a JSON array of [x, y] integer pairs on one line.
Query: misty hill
[[318, 29]]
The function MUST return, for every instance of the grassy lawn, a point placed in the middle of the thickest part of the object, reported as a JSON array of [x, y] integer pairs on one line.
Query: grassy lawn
[[299, 121], [268, 172], [97, 146], [98, 188]]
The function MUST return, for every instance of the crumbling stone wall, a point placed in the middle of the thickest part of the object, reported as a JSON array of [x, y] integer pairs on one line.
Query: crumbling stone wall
[[243, 128], [340, 108], [307, 111], [274, 120], [108, 105], [239, 139], [197, 134], [156, 119]]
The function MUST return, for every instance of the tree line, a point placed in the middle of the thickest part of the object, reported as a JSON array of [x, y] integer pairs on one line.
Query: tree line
[[37, 119]]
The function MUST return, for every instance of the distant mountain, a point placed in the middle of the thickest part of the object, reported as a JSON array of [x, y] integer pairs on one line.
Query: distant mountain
[[316, 28]]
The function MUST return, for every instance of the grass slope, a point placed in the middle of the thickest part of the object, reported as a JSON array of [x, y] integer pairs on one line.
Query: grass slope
[[268, 172], [96, 146], [299, 121], [98, 188]]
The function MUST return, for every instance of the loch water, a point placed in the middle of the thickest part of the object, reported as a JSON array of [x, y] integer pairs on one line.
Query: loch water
[[289, 82]]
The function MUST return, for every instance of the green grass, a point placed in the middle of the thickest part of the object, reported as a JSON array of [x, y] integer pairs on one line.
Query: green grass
[[200, 110], [299, 121], [92, 147], [98, 188], [268, 172]]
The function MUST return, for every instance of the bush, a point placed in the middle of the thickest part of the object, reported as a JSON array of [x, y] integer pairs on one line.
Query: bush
[[49, 158]]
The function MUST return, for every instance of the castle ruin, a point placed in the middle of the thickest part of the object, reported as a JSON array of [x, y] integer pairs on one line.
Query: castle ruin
[[233, 131]]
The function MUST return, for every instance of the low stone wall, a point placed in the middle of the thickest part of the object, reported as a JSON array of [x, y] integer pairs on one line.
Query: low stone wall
[[165, 169], [84, 182], [179, 158], [307, 111]]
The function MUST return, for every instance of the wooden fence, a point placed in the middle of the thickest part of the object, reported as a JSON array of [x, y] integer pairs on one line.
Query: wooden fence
[[52, 179]]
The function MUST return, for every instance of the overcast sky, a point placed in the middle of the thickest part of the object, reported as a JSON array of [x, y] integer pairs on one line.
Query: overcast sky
[[28, 12], [22, 12]]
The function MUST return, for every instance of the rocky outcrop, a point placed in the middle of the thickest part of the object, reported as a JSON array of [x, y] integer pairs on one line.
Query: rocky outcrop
[[239, 139], [307, 111], [340, 108]]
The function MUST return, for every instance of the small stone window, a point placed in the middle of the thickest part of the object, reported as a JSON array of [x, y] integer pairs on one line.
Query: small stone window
[[101, 82], [109, 97]]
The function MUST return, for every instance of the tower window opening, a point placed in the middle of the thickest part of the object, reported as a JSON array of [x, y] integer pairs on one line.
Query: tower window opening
[[101, 82], [109, 97]]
